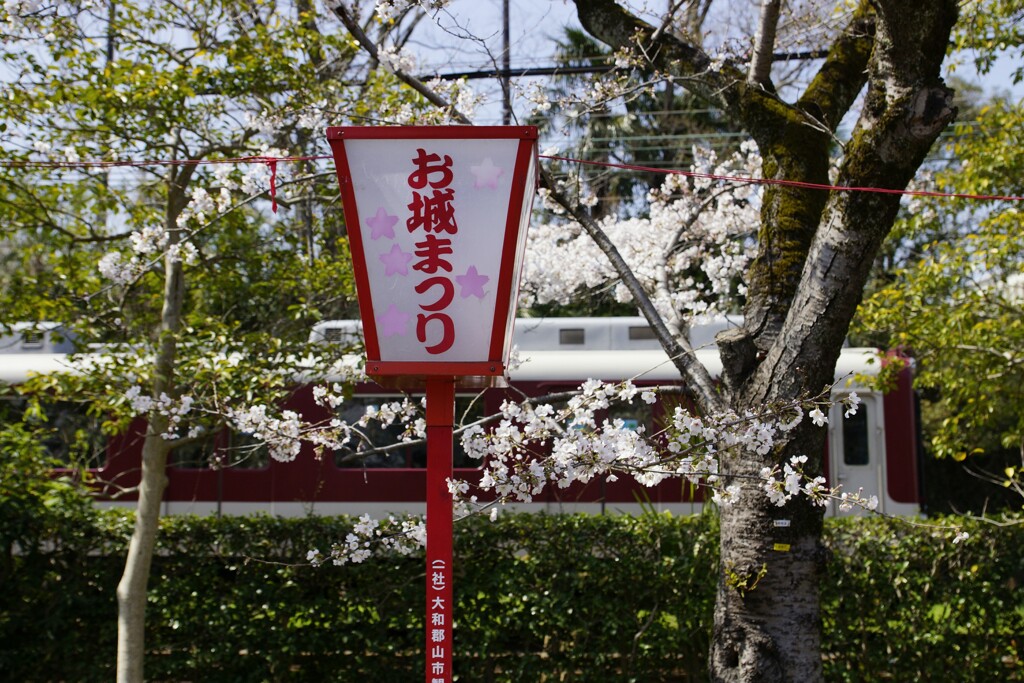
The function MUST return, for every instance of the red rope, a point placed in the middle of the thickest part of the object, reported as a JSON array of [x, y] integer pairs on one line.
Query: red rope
[[127, 163], [272, 163], [792, 183]]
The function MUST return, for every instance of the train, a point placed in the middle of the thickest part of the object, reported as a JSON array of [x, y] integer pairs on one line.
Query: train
[[227, 473]]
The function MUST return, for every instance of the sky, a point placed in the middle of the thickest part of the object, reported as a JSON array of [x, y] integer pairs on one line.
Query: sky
[[536, 25]]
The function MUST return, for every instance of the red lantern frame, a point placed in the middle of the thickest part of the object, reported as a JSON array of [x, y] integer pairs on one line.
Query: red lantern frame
[[513, 238]]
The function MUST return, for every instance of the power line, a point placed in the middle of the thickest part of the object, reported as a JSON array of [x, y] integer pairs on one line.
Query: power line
[[529, 71], [520, 72]]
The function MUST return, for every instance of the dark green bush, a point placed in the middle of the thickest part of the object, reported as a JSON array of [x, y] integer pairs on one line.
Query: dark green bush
[[540, 598], [232, 599], [59, 565]]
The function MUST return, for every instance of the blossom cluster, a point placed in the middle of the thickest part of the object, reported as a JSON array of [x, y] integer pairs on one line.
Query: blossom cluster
[[394, 535], [533, 446], [174, 410], [145, 243], [463, 98], [529, 448], [284, 433], [696, 271], [396, 60], [405, 412], [794, 482], [388, 10]]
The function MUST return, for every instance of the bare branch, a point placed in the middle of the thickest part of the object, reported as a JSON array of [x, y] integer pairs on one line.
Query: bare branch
[[357, 32]]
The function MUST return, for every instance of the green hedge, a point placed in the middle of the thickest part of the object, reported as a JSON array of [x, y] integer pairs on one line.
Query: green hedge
[[540, 598], [903, 602]]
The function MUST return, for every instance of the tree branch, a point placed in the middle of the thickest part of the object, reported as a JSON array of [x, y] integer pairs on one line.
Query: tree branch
[[357, 32], [907, 107], [678, 347], [760, 70], [843, 73], [614, 26]]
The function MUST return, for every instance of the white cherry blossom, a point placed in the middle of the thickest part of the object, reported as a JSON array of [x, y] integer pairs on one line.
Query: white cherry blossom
[[696, 270]]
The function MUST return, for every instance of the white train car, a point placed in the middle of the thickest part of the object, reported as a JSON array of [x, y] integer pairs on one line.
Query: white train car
[[876, 451]]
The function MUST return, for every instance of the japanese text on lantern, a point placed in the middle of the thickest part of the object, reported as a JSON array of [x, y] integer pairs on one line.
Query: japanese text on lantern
[[433, 214]]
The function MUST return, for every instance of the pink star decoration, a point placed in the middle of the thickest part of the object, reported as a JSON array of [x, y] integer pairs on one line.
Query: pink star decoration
[[393, 322], [382, 224], [487, 174], [472, 283], [396, 261]]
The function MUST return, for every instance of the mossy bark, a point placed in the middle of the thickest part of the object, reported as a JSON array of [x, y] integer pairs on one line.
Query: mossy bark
[[815, 249]]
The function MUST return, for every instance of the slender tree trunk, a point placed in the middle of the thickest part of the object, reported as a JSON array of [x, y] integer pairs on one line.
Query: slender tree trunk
[[132, 589]]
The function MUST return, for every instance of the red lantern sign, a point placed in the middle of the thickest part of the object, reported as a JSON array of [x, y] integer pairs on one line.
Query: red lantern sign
[[437, 220]]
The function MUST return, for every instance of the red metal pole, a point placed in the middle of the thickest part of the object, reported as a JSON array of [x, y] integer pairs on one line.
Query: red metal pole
[[440, 421]]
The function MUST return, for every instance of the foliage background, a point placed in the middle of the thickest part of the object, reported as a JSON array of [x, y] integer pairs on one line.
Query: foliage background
[[951, 295], [540, 598]]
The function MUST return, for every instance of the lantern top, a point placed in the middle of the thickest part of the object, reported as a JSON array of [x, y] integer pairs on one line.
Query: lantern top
[[431, 132]]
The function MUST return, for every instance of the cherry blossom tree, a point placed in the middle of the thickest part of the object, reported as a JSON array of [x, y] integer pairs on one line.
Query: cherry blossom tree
[[814, 248], [814, 252], [161, 198], [800, 263]]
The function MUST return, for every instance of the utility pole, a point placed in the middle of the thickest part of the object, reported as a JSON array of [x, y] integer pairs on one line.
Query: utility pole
[[506, 63]]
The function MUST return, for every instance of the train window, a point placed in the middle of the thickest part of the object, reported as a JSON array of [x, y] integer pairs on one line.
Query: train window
[[641, 333], [571, 335], [196, 454], [32, 340], [375, 446], [383, 447], [245, 451], [855, 438], [635, 414]]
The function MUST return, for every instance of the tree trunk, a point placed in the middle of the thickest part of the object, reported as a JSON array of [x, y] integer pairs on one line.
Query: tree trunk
[[767, 625], [132, 589], [767, 621], [815, 249]]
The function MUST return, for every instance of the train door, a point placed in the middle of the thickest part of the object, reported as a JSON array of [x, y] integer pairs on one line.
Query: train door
[[857, 452]]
